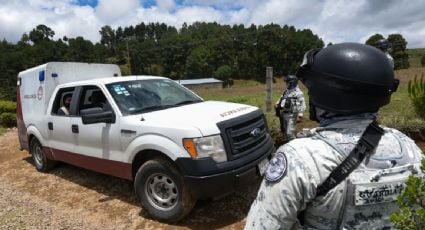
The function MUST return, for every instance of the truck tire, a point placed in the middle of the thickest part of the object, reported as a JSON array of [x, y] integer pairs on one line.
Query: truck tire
[[162, 191], [41, 162]]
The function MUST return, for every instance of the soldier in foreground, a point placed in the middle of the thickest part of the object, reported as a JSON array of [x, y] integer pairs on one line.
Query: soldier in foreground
[[346, 173], [290, 107]]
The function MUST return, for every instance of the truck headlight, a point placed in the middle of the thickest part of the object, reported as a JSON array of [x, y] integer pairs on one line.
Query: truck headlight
[[202, 147]]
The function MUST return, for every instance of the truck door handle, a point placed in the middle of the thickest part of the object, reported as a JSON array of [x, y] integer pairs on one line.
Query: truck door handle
[[74, 128], [50, 125]]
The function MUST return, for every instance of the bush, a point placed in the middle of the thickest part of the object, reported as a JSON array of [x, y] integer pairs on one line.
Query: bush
[[8, 119], [412, 205], [416, 91], [223, 72], [7, 107], [423, 61]]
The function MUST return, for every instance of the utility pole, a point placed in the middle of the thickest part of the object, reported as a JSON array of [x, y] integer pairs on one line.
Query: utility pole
[[128, 52], [128, 57], [269, 81]]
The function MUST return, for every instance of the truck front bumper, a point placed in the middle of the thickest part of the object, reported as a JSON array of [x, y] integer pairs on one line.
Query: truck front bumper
[[221, 183]]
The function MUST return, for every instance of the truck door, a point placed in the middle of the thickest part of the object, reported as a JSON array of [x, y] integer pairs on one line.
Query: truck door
[[99, 140], [60, 137]]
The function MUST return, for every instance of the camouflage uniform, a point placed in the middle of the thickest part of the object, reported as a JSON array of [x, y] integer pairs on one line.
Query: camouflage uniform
[[298, 98], [289, 115], [363, 201]]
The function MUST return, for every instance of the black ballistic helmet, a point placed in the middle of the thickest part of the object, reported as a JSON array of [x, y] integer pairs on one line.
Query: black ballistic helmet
[[382, 44], [348, 78], [291, 80]]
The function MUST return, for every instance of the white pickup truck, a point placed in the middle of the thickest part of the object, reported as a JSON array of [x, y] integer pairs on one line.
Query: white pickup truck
[[176, 147]]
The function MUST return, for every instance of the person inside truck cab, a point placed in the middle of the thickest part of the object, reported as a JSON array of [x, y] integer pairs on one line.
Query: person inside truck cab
[[66, 102], [98, 99]]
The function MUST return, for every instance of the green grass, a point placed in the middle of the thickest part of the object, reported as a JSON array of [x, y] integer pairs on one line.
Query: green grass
[[415, 56], [2, 130], [399, 114]]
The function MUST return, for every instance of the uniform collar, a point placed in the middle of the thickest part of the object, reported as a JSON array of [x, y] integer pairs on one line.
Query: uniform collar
[[327, 118], [348, 123]]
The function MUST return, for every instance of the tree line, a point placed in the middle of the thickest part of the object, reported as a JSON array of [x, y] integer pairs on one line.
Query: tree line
[[397, 51], [199, 50], [194, 51]]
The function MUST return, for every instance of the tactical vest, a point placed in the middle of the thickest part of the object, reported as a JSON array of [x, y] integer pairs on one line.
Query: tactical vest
[[371, 191]]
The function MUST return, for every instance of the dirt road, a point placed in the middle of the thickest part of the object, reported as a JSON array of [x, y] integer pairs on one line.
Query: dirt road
[[73, 198]]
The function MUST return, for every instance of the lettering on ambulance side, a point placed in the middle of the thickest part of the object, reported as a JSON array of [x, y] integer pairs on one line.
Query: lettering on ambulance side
[[373, 194], [233, 111], [31, 96]]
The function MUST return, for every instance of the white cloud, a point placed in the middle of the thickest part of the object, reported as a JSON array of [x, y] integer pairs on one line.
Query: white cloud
[[81, 21], [18, 17], [110, 11], [181, 15], [195, 13], [239, 17], [291, 12], [333, 20], [166, 4]]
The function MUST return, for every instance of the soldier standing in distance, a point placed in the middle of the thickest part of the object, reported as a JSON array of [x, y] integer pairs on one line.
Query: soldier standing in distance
[[290, 107], [384, 45], [347, 173]]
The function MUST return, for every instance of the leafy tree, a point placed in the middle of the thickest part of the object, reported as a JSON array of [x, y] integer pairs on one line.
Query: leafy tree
[[107, 37], [373, 39], [223, 72], [41, 33], [25, 39], [423, 61], [398, 51], [401, 57], [80, 50], [198, 63]]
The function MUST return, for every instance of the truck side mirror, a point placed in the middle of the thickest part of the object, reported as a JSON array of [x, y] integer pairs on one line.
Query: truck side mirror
[[97, 115]]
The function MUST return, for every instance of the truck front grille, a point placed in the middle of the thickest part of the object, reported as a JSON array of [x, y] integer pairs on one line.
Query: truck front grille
[[243, 135]]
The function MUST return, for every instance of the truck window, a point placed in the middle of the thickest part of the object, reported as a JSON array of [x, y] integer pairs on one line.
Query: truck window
[[91, 97], [133, 97], [62, 103]]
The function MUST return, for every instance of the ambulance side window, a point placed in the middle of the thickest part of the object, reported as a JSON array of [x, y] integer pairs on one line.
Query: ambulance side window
[[62, 103]]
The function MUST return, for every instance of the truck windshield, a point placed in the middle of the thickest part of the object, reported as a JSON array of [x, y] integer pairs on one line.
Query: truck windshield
[[139, 96]]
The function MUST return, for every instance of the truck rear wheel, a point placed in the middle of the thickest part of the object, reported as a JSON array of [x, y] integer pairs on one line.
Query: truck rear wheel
[[162, 191], [41, 162]]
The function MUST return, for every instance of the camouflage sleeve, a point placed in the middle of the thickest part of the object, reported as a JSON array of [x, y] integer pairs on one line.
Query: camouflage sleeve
[[301, 100], [286, 189]]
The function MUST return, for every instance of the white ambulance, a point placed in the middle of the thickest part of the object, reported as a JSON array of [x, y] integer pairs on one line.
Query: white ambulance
[[173, 145]]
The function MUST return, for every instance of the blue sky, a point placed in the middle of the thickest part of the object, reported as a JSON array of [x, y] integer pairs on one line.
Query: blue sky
[[91, 3], [333, 20]]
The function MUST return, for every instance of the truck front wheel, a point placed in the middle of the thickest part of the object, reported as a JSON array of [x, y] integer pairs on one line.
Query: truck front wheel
[[162, 191], [41, 162]]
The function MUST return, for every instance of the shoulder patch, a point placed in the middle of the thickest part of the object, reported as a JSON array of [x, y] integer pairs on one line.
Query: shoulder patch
[[277, 168]]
